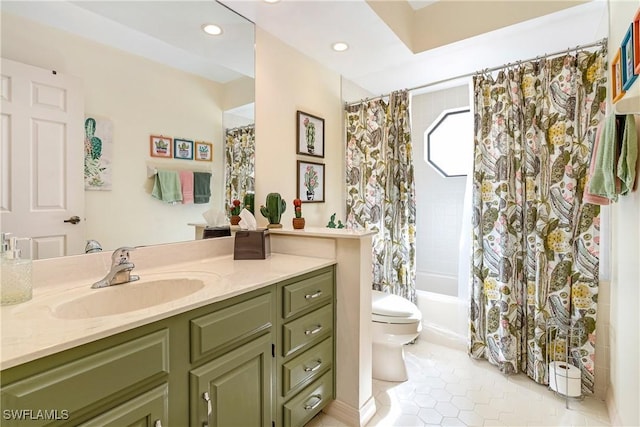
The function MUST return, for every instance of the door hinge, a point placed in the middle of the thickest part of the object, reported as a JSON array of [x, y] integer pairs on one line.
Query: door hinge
[[273, 350]]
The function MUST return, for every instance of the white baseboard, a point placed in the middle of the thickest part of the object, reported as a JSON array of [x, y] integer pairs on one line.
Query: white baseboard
[[349, 415]]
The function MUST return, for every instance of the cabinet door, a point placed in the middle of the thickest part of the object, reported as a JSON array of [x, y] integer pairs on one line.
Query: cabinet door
[[234, 389], [147, 410]]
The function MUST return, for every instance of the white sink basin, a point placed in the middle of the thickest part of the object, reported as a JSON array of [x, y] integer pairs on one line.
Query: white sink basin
[[129, 297]]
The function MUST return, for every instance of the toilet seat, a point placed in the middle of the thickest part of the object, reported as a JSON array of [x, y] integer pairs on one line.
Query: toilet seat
[[388, 308]]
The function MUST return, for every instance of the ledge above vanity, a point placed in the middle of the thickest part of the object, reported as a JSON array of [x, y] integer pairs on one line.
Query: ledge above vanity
[[45, 324]]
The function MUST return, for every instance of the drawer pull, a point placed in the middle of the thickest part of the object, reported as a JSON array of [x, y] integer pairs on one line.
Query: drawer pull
[[315, 330], [315, 368], [207, 399], [314, 295], [308, 407]]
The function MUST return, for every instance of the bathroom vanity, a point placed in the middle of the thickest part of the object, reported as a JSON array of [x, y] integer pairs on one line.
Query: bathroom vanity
[[248, 343]]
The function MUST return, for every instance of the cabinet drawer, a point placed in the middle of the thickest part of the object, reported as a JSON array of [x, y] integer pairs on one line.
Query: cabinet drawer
[[233, 324], [311, 292], [88, 380], [299, 410], [307, 329], [310, 364]]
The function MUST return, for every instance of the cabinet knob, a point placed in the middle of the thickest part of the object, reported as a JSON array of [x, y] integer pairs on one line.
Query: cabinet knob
[[316, 294], [157, 423], [315, 368], [207, 399], [309, 407], [315, 330]]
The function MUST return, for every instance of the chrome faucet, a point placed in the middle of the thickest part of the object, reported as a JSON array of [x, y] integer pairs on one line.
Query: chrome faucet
[[120, 271]]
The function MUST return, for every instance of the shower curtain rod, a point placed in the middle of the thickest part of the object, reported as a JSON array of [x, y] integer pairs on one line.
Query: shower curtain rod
[[602, 42]]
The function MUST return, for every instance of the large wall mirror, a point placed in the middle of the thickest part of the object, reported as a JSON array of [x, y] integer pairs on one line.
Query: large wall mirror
[[146, 68]]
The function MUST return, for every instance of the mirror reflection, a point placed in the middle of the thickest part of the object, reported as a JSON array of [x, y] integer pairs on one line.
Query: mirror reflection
[[144, 68]]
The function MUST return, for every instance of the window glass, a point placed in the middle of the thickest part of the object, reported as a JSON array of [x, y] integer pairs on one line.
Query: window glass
[[449, 142]]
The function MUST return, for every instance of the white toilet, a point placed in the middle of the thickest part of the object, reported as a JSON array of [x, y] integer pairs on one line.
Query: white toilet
[[396, 322]]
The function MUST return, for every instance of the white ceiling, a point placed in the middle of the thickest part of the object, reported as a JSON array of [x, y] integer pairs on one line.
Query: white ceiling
[[377, 61], [380, 62]]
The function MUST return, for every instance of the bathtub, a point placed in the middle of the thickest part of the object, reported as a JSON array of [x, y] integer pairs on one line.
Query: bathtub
[[445, 319]]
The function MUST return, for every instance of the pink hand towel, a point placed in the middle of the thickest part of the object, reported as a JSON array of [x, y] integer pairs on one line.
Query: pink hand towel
[[186, 182]]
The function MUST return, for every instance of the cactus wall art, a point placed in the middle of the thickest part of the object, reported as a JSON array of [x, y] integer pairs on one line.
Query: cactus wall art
[[98, 144]]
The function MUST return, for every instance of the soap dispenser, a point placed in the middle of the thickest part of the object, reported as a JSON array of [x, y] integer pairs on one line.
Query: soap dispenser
[[16, 273]]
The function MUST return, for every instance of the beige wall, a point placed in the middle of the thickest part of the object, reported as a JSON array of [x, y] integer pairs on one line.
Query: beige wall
[[141, 98], [286, 81]]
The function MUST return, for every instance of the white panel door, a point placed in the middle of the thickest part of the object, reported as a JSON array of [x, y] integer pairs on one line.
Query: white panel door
[[42, 159]]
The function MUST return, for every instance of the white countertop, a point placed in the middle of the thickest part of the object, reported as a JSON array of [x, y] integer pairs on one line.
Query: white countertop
[[31, 330]]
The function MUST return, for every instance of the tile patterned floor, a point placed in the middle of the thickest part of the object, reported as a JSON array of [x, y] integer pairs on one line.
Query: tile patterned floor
[[447, 388]]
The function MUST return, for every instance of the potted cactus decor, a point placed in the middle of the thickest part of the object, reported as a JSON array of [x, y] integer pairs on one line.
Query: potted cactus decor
[[249, 202], [235, 212], [273, 210], [298, 221]]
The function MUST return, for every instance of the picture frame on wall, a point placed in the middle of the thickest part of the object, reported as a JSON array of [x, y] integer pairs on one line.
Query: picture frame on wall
[[182, 149], [617, 92], [310, 134], [204, 151], [636, 42], [626, 61], [161, 146], [310, 182]]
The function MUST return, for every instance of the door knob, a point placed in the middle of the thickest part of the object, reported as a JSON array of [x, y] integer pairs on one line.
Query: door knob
[[73, 220]]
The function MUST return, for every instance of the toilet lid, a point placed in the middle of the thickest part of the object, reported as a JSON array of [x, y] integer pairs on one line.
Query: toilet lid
[[388, 305]]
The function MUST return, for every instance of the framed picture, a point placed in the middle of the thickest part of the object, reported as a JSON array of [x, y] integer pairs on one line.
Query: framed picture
[[204, 151], [182, 149], [160, 146], [617, 91], [627, 64], [310, 182], [310, 134], [636, 42]]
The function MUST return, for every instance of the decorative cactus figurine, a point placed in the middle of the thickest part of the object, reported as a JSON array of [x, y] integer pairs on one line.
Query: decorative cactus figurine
[[298, 221], [249, 200], [274, 209]]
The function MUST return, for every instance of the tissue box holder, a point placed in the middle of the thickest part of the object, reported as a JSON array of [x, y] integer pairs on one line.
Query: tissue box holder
[[213, 232], [252, 244]]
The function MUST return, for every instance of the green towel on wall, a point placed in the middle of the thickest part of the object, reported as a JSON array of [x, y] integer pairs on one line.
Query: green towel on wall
[[603, 180], [166, 186], [628, 155], [201, 187]]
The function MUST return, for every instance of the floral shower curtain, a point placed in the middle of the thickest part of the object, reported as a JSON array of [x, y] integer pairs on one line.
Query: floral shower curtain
[[380, 188], [239, 163], [536, 245]]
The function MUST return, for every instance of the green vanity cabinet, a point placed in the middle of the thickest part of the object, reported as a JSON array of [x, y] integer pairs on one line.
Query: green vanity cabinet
[[263, 358], [234, 389], [306, 347], [77, 385], [233, 385]]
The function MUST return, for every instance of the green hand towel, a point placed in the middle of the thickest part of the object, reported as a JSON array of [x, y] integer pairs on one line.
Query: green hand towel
[[628, 155], [603, 180], [201, 187], [166, 186]]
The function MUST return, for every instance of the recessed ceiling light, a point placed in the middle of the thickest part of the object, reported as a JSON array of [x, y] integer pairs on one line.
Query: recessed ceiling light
[[340, 46], [212, 29], [271, 1]]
